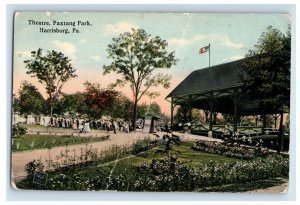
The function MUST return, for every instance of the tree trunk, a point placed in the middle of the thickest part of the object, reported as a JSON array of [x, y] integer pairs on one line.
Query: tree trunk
[[134, 117], [264, 123], [256, 120], [51, 110], [206, 116], [280, 135]]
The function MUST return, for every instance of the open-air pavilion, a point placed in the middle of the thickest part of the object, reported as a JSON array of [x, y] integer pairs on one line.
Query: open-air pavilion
[[217, 89]]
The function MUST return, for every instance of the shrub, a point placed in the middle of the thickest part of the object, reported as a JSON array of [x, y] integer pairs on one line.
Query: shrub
[[236, 151], [18, 130], [164, 175], [140, 146]]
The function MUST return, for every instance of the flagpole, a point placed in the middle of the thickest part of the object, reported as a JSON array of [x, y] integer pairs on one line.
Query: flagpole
[[209, 55]]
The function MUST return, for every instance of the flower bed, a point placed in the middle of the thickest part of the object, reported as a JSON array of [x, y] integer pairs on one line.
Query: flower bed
[[234, 150], [164, 175]]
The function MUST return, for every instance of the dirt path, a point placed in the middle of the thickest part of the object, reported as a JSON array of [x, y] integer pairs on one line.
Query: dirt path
[[20, 159], [282, 188]]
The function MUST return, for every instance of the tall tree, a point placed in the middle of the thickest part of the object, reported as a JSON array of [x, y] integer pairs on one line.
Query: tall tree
[[120, 107], [141, 110], [30, 100], [97, 99], [73, 104], [16, 104], [137, 57], [268, 73], [52, 70], [154, 109]]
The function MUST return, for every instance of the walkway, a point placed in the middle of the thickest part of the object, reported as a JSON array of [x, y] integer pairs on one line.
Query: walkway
[[20, 159]]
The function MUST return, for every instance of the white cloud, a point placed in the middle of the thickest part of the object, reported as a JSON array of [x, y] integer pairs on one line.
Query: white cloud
[[118, 28], [179, 42], [95, 58], [236, 57], [48, 13], [82, 40], [23, 54], [199, 37], [231, 58], [67, 48], [215, 38], [224, 40]]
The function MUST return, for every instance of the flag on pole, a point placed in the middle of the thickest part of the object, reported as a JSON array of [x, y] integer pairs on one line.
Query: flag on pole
[[204, 49]]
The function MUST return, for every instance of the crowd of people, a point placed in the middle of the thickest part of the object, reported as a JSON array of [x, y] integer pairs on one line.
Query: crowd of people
[[82, 124]]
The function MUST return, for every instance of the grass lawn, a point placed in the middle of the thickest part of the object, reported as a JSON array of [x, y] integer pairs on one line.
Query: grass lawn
[[30, 142], [45, 129], [183, 153], [80, 176], [128, 164], [244, 187]]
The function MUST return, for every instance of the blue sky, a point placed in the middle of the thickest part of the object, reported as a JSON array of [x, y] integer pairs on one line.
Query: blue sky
[[230, 36]]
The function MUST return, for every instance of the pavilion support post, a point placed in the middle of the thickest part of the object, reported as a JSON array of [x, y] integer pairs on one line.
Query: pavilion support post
[[235, 121], [235, 116], [211, 104], [264, 123], [210, 116], [190, 108], [280, 147], [172, 109]]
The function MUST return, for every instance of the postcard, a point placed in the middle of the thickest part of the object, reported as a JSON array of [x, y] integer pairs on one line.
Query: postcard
[[151, 102]]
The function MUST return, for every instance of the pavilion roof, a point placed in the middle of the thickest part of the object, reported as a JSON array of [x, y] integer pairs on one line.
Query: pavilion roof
[[218, 77]]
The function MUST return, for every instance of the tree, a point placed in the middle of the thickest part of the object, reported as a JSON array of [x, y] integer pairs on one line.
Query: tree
[[71, 104], [30, 100], [154, 109], [16, 104], [52, 70], [268, 73], [119, 108], [142, 110], [169, 141], [97, 99], [137, 57], [181, 115]]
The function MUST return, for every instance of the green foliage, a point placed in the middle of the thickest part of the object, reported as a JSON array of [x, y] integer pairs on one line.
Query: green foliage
[[120, 107], [98, 99], [182, 115], [53, 70], [231, 149], [16, 104], [137, 57], [30, 100], [142, 110], [140, 146], [268, 70], [141, 173], [165, 175], [18, 130], [31, 168], [72, 104], [30, 142], [154, 109], [168, 141], [287, 124], [35, 166]]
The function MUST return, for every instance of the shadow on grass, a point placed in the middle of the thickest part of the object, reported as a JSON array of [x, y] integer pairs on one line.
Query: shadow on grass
[[245, 187]]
